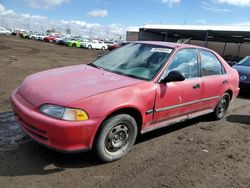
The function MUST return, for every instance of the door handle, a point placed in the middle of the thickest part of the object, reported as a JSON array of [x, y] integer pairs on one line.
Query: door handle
[[196, 86], [224, 81]]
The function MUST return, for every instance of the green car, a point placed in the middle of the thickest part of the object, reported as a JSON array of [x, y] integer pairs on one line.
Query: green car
[[74, 42]]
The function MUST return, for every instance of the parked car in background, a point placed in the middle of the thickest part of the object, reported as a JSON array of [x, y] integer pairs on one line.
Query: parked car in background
[[4, 31], [40, 36], [24, 35], [243, 67], [231, 63], [17, 32], [60, 38], [62, 41], [32, 36], [50, 38], [95, 44], [84, 42], [135, 89], [116, 45], [75, 42]]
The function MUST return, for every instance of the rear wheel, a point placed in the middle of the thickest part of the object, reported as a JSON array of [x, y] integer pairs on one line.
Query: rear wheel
[[222, 106], [74, 45], [103, 48], [116, 137], [90, 47]]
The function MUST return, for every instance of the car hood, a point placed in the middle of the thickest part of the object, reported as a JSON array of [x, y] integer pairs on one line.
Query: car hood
[[243, 70], [63, 86]]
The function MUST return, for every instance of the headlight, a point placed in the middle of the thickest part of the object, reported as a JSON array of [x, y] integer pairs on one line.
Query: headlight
[[64, 113]]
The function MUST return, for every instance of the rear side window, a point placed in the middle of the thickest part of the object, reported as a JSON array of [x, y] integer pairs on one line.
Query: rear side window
[[210, 65]]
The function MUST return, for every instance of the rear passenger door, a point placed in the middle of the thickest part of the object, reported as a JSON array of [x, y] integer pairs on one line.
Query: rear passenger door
[[214, 79]]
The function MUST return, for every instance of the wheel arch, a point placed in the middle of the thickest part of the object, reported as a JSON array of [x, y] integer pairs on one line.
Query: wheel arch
[[230, 92], [132, 111]]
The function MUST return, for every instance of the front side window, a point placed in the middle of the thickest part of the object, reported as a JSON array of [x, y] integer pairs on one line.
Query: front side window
[[210, 65], [136, 60], [186, 62]]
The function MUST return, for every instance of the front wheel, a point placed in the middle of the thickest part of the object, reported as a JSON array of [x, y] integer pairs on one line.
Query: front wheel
[[222, 106], [90, 47], [116, 137], [103, 48]]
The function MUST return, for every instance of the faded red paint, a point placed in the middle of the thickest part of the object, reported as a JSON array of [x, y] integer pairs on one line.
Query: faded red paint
[[101, 93]]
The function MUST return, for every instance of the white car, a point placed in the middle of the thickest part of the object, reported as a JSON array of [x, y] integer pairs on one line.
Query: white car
[[84, 43], [4, 31], [95, 44], [32, 36], [40, 36]]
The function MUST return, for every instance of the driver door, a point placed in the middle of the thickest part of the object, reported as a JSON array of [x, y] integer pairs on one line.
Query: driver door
[[175, 99]]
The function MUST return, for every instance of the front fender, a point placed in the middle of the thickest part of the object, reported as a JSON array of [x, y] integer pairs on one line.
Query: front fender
[[140, 97]]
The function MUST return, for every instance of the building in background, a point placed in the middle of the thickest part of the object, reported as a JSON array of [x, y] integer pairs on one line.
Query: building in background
[[232, 42], [132, 34]]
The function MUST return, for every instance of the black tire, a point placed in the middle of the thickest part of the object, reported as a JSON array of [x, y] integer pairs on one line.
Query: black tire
[[103, 48], [116, 137], [89, 47], [74, 45], [222, 106]]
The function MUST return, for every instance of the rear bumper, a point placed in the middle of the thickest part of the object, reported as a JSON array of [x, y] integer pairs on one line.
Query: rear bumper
[[63, 136]]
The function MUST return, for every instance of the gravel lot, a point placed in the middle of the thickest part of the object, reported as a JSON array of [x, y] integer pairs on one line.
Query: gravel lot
[[197, 153]]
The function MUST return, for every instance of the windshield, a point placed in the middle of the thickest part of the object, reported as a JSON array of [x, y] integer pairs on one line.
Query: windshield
[[141, 61], [245, 61]]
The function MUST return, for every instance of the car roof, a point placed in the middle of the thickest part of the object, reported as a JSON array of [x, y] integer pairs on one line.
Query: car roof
[[171, 44]]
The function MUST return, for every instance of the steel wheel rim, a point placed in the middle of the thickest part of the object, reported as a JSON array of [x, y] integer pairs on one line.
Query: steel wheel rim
[[117, 139]]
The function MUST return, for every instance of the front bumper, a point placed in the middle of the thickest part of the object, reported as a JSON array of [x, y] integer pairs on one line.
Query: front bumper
[[64, 136]]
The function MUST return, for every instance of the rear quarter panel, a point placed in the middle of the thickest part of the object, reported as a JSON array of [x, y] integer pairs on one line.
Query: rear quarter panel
[[232, 77]]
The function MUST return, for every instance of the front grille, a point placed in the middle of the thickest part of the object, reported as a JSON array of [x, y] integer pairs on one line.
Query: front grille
[[38, 133]]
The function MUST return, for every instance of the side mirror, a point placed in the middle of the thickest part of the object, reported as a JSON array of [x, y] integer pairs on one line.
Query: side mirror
[[173, 76]]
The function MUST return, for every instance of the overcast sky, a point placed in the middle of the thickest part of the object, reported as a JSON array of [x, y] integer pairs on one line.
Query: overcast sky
[[114, 17]]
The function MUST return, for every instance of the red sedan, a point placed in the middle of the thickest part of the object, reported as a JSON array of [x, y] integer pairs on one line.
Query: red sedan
[[116, 45], [50, 38], [137, 88]]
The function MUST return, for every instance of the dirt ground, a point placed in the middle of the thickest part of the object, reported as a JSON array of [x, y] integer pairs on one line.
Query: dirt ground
[[198, 153]]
